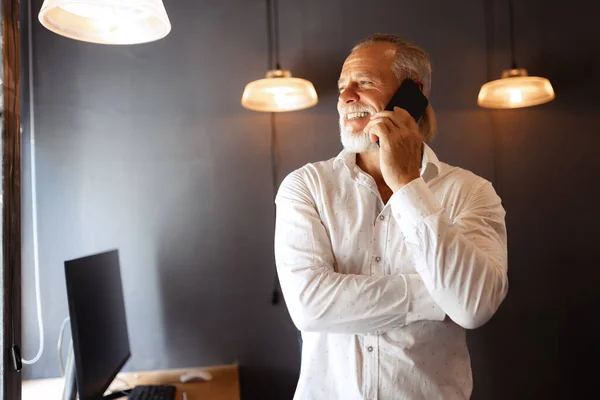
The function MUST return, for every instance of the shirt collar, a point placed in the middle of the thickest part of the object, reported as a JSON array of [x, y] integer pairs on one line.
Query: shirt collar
[[430, 166]]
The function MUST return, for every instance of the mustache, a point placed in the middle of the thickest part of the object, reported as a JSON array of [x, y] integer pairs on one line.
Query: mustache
[[357, 108]]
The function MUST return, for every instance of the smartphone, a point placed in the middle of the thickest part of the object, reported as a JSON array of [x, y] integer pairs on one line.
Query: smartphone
[[410, 98]]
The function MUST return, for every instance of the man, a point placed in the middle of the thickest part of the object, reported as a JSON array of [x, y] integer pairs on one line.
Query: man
[[385, 254]]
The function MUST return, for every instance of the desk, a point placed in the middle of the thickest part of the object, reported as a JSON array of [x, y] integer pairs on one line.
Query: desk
[[224, 385]]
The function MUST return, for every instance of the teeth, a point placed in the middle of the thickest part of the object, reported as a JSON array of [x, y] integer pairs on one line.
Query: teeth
[[352, 116]]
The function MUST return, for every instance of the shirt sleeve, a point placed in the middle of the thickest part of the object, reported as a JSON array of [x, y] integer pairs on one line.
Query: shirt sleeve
[[320, 299], [463, 263]]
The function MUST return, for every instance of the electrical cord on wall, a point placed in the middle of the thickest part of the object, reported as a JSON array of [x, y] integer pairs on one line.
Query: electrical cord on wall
[[273, 49], [36, 261], [275, 295], [493, 114], [512, 35]]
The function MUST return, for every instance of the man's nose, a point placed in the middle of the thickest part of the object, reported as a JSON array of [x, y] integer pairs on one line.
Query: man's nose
[[348, 96]]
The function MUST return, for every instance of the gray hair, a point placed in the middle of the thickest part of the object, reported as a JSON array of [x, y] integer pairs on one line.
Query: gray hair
[[410, 61]]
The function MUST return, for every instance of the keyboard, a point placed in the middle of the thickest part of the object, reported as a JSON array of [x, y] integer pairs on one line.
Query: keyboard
[[153, 392]]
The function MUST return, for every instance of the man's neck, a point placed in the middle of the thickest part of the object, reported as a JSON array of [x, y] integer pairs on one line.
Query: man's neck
[[369, 162]]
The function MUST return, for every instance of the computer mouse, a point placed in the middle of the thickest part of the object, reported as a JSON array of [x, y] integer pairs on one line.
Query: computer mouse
[[195, 376]]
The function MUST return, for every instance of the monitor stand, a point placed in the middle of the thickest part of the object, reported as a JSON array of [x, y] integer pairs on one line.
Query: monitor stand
[[70, 389]]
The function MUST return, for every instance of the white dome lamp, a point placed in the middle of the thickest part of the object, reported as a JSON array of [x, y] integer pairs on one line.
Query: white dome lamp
[[279, 91], [515, 89], [107, 21]]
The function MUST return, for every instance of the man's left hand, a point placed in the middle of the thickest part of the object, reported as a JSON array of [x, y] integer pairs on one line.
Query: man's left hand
[[401, 146]]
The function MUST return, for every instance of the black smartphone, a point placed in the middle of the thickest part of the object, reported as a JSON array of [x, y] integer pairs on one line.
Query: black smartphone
[[410, 98]]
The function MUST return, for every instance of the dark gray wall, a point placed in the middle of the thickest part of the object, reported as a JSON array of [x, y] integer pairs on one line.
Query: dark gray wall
[[544, 341], [147, 149]]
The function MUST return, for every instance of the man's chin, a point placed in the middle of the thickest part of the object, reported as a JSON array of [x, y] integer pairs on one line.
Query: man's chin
[[358, 142], [352, 130]]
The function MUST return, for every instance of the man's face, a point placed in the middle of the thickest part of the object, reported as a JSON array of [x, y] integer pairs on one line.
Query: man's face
[[366, 85]]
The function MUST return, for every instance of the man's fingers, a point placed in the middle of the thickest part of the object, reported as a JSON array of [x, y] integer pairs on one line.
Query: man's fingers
[[380, 128], [390, 125], [387, 116], [383, 122], [400, 117], [406, 118], [380, 131], [377, 131]]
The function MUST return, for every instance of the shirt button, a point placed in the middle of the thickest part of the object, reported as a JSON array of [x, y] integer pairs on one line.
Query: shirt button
[[382, 217], [370, 348], [377, 258]]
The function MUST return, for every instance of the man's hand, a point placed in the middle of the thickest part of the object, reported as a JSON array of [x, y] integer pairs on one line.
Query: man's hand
[[401, 146]]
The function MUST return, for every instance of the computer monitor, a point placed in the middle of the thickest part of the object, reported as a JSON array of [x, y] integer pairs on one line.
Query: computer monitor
[[98, 322]]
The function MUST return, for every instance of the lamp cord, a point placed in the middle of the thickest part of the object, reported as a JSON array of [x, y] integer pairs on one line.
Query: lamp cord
[[512, 35], [273, 155], [273, 33], [496, 134], [273, 52], [275, 294], [276, 19], [269, 37]]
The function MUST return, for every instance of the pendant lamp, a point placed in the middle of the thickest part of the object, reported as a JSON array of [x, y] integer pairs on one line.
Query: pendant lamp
[[107, 21], [516, 88], [279, 91]]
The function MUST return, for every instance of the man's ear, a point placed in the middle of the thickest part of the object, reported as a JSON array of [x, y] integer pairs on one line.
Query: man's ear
[[420, 85]]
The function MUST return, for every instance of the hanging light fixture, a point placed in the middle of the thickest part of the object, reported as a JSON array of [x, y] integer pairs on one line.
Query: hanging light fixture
[[279, 91], [107, 21], [516, 88]]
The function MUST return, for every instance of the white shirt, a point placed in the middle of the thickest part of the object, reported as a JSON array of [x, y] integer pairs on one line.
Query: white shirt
[[382, 292]]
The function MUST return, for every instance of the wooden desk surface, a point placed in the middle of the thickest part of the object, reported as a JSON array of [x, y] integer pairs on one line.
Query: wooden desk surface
[[223, 386]]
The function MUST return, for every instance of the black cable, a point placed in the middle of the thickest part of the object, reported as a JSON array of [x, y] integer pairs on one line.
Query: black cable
[[273, 33], [276, 13], [273, 43], [269, 36], [273, 155], [275, 294], [16, 353], [496, 134], [512, 35]]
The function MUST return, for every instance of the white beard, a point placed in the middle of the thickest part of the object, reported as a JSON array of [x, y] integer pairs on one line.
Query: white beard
[[359, 142]]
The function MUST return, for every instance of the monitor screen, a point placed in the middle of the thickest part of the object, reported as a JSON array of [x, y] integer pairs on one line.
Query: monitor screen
[[98, 322]]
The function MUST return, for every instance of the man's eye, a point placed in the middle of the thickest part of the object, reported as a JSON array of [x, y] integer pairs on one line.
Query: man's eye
[[341, 89], [365, 82]]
